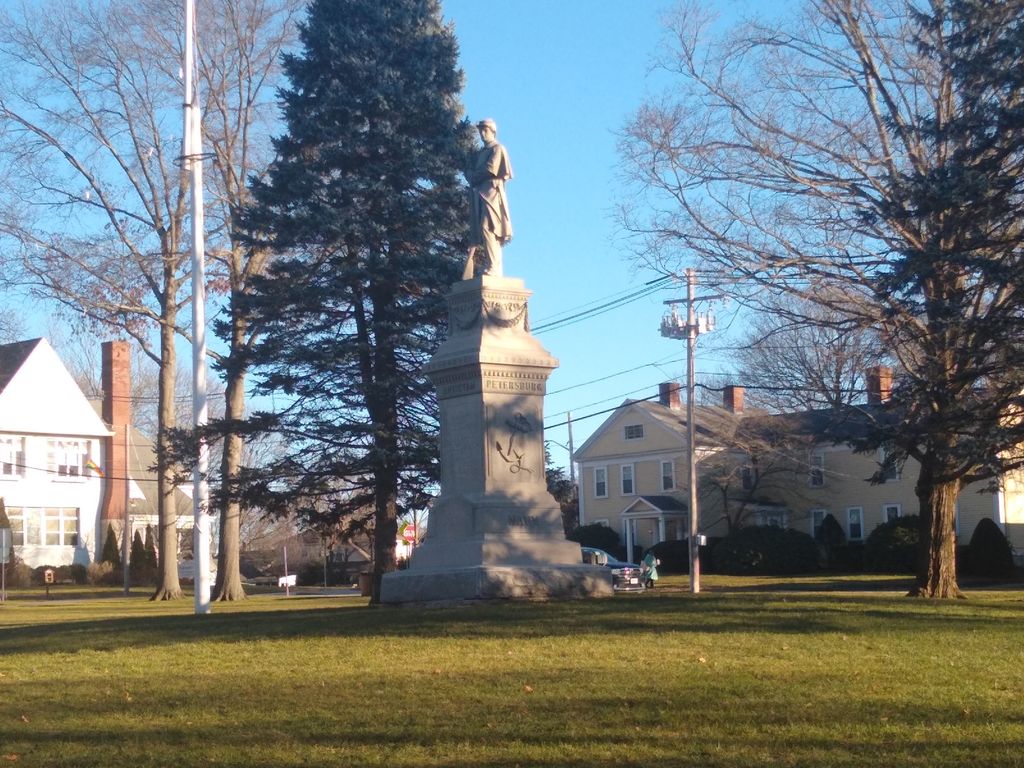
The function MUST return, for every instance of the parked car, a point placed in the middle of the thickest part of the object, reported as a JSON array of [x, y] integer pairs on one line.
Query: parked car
[[626, 577]]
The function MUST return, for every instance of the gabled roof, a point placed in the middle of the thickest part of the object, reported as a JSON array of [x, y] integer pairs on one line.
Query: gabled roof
[[12, 357], [711, 423], [665, 503], [719, 427], [668, 506], [39, 397]]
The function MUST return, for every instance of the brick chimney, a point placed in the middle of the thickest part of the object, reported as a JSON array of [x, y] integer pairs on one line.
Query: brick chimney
[[668, 395], [117, 413], [879, 381], [732, 398]]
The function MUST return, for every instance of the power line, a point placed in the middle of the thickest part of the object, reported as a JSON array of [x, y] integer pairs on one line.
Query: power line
[[654, 364], [606, 306]]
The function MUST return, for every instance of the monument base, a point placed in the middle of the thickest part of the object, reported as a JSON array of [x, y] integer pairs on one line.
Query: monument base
[[496, 582]]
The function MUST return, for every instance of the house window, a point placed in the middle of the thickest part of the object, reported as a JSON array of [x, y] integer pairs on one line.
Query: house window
[[816, 475], [634, 432], [66, 458], [668, 475], [627, 479], [890, 512], [12, 456], [855, 523], [61, 526], [891, 472], [600, 483], [16, 516], [775, 518], [748, 476], [817, 519]]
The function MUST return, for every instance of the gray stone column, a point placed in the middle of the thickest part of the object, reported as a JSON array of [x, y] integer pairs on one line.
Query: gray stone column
[[494, 531]]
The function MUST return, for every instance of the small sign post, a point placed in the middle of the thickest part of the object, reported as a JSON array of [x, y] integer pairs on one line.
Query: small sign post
[[287, 582]]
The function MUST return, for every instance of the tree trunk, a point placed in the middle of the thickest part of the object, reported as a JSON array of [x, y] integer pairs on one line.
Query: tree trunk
[[168, 586], [229, 577], [386, 532], [382, 407], [936, 569]]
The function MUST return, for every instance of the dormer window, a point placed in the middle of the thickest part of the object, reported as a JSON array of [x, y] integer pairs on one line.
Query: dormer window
[[634, 432]]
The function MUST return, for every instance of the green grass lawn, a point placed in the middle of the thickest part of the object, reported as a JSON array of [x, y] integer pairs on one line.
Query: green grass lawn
[[752, 672]]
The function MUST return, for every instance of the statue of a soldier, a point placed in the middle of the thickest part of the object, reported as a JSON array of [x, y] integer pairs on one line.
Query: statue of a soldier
[[489, 224]]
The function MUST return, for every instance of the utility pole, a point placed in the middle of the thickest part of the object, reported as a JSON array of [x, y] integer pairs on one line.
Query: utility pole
[[673, 327], [572, 461]]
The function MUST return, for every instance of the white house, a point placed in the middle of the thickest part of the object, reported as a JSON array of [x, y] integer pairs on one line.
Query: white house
[[53, 446]]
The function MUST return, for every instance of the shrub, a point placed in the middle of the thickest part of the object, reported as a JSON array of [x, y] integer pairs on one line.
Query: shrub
[[831, 539], [75, 573], [674, 556], [848, 558], [151, 558], [101, 573], [140, 570], [893, 546], [830, 534], [989, 554], [111, 551], [17, 574], [766, 550], [596, 535]]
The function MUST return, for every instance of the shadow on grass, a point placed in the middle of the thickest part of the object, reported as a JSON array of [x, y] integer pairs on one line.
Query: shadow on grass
[[760, 724], [657, 612]]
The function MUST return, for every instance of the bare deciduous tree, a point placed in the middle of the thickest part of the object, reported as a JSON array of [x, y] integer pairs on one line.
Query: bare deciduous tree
[[864, 157], [90, 120], [797, 356]]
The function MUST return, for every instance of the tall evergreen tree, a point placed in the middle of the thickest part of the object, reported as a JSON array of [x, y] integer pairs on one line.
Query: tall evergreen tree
[[367, 207], [957, 272]]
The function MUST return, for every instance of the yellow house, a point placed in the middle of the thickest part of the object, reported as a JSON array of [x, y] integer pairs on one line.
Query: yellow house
[[753, 468]]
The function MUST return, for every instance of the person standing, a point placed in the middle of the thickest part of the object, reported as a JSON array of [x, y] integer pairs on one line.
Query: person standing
[[650, 569], [489, 226]]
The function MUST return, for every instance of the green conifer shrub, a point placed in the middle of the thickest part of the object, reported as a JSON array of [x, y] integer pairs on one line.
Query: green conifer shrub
[[766, 550], [989, 554], [596, 535], [893, 546]]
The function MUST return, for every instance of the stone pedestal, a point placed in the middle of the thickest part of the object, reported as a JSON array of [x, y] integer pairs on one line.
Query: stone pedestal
[[494, 531]]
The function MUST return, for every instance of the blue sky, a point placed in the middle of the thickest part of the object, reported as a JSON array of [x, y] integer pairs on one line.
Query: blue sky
[[561, 78]]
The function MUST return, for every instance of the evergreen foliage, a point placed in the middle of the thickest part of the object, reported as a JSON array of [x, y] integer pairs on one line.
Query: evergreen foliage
[[674, 556], [831, 533], [111, 552], [561, 487], [893, 547], [596, 535], [141, 567], [765, 550], [151, 560], [831, 539], [366, 209], [989, 553]]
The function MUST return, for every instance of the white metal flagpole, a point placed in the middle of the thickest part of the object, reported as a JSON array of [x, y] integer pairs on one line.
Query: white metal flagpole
[[194, 159]]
